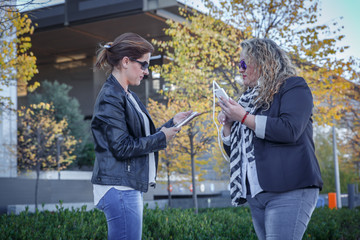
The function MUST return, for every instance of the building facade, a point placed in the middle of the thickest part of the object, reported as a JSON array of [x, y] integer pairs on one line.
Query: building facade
[[65, 41]]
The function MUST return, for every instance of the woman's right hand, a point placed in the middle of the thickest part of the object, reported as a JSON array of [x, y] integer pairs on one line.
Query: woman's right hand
[[223, 119], [170, 132], [226, 123]]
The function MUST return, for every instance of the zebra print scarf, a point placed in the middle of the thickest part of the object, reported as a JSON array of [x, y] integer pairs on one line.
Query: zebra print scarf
[[241, 138]]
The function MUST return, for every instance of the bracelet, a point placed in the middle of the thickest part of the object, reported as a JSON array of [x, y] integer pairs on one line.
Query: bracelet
[[243, 120]]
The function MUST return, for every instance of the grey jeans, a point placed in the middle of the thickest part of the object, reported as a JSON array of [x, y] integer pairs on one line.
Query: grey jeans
[[282, 215]]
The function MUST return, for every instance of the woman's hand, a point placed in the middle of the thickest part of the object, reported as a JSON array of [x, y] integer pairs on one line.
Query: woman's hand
[[235, 112], [223, 119], [232, 110], [226, 122], [170, 132], [179, 117]]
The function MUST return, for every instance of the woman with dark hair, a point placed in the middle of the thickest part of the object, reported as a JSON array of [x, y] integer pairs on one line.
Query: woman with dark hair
[[268, 136], [126, 140]]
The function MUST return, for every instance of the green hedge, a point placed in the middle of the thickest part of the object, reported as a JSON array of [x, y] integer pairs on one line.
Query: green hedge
[[215, 223]]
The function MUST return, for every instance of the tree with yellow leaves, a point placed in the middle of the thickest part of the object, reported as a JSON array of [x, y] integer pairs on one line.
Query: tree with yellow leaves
[[184, 152], [351, 147], [17, 63], [168, 158], [204, 48], [312, 46], [38, 136], [200, 49]]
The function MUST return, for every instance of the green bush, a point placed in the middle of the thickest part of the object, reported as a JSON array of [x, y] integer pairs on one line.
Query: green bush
[[330, 224], [229, 223], [216, 223], [62, 224]]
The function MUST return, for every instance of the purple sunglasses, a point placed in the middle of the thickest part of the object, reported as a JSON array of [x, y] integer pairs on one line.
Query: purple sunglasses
[[242, 65]]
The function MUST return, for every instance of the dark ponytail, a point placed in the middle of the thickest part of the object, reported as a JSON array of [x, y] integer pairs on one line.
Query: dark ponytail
[[125, 45]]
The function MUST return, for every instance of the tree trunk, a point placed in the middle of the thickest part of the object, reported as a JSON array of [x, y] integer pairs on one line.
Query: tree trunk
[[37, 183], [169, 184], [193, 175], [38, 165]]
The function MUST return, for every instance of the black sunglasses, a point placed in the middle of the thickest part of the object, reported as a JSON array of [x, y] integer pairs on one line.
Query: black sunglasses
[[144, 64], [242, 65]]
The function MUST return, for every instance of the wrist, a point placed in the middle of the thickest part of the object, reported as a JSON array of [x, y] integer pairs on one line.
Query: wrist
[[226, 131], [244, 117]]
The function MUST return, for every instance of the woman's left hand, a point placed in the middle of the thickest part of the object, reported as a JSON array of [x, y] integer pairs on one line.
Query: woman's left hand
[[181, 116], [232, 110]]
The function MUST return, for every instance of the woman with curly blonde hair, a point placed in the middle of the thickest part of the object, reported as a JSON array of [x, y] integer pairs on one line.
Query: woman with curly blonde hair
[[268, 136]]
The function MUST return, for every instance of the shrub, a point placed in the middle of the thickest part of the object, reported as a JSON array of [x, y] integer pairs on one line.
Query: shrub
[[216, 223]]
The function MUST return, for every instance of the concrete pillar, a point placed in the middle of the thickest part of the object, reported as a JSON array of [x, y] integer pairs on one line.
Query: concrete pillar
[[8, 134], [8, 119]]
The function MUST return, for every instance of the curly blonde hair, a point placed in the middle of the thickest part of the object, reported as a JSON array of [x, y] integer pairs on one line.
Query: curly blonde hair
[[273, 64]]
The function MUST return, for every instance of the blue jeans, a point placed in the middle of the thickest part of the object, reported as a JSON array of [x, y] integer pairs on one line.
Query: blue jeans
[[282, 215], [124, 213]]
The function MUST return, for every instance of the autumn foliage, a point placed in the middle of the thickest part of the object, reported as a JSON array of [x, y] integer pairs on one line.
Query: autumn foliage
[[206, 47], [17, 62], [38, 132]]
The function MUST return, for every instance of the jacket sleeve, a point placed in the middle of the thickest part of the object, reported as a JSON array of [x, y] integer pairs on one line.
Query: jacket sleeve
[[168, 124], [112, 121], [294, 112]]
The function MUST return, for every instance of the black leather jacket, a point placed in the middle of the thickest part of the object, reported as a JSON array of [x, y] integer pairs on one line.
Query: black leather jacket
[[121, 146]]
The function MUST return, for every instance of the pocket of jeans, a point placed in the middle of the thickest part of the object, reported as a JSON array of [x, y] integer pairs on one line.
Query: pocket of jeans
[[315, 192], [107, 199], [100, 204]]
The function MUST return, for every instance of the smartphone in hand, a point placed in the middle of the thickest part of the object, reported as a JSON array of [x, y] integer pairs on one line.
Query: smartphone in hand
[[220, 92], [188, 119]]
